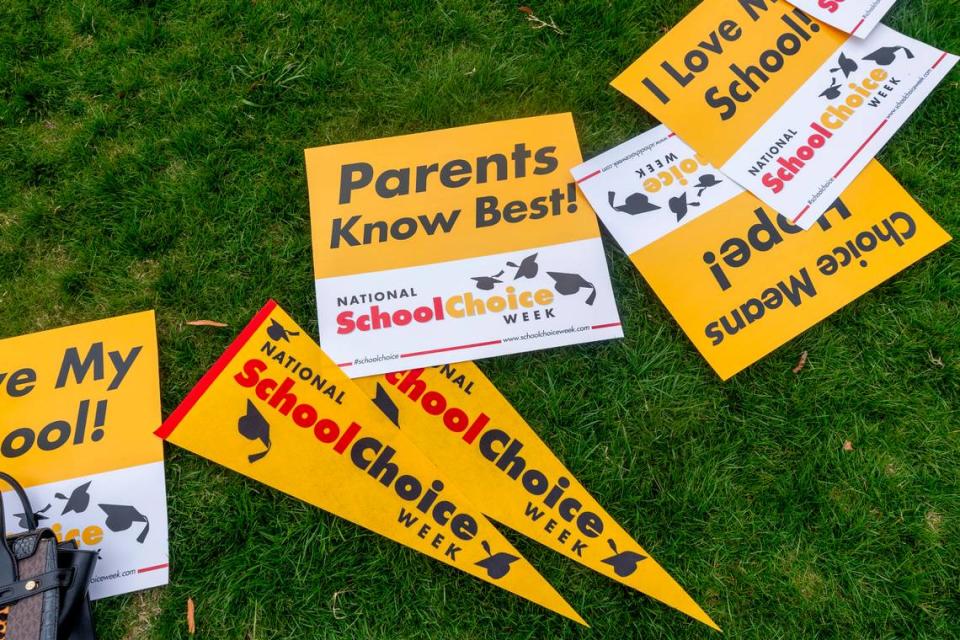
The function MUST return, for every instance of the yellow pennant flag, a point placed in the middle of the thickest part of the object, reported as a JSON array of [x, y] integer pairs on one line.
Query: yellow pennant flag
[[473, 434], [275, 408]]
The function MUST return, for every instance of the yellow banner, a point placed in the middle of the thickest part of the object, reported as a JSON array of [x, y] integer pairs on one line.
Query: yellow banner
[[473, 434], [436, 196], [71, 399], [742, 280], [276, 409], [726, 68]]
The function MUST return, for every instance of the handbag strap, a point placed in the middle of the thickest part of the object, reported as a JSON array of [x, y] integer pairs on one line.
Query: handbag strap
[[8, 563], [58, 578]]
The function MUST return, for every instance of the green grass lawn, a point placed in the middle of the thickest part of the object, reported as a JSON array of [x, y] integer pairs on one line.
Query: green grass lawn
[[151, 156]]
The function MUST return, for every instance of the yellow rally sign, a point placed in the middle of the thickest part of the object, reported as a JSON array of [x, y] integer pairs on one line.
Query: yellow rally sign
[[730, 64], [454, 245], [77, 406], [60, 387], [275, 408], [741, 280], [472, 433]]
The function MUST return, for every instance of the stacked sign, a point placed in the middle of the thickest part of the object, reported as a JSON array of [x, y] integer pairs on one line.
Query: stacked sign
[[774, 101], [740, 278], [789, 108]]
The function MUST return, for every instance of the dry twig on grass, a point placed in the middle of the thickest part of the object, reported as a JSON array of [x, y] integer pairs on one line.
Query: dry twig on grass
[[801, 363], [335, 609], [538, 23]]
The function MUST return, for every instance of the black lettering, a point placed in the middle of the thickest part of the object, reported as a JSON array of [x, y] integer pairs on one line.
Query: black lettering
[[751, 7], [792, 292], [339, 231], [533, 512], [546, 161], [406, 518], [354, 176], [72, 363], [727, 106]]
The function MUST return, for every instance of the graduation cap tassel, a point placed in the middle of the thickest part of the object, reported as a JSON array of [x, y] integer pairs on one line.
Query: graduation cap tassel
[[121, 517], [568, 284], [253, 457], [593, 295], [385, 403], [146, 530]]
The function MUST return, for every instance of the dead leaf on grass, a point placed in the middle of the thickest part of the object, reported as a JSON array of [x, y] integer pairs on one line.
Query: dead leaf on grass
[[801, 363], [191, 621], [206, 323], [847, 445]]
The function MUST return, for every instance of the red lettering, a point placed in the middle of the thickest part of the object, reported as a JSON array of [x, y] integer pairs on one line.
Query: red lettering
[[251, 372]]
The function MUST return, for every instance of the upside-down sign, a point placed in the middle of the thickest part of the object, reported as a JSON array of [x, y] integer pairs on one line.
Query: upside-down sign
[[463, 243], [275, 408], [856, 17], [740, 279], [77, 410], [790, 108], [473, 434]]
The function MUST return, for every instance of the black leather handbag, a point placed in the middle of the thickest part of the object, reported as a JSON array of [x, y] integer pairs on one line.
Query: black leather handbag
[[43, 584]]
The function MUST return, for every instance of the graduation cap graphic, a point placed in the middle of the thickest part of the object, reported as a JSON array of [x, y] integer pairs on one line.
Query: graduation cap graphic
[[833, 91], [385, 403], [887, 55], [277, 332], [846, 65], [570, 283], [486, 283], [496, 564], [253, 426], [121, 517], [78, 501], [528, 267], [635, 203], [624, 563], [678, 204], [706, 181], [38, 516]]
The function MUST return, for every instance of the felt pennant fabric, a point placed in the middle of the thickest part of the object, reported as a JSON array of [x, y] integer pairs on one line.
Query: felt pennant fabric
[[275, 408], [472, 433]]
